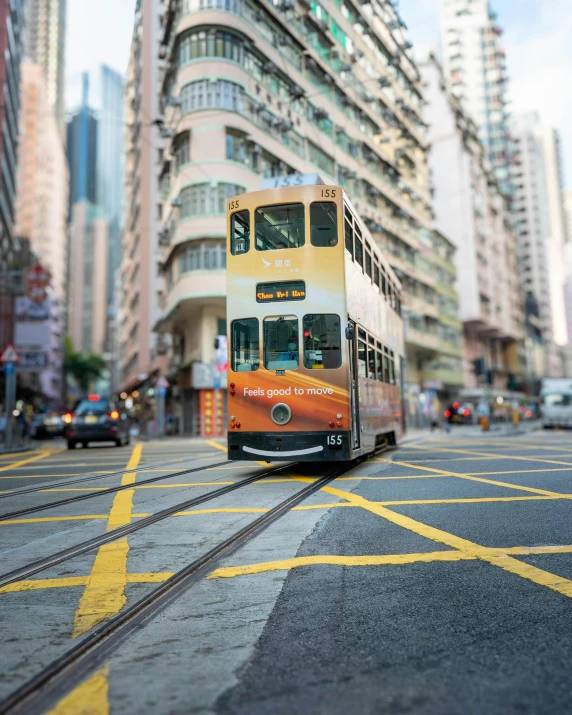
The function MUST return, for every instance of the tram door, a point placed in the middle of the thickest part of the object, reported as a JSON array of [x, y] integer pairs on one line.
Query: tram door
[[354, 386]]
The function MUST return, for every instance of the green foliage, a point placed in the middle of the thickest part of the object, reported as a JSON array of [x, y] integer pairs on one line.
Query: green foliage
[[82, 367]]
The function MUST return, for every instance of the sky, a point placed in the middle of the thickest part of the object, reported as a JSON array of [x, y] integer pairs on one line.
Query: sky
[[536, 40], [98, 33], [538, 49]]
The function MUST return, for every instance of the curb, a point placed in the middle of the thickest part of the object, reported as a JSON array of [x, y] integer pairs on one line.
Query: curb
[[16, 450]]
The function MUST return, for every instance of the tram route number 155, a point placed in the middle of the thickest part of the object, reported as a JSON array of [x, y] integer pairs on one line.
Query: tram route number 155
[[334, 439]]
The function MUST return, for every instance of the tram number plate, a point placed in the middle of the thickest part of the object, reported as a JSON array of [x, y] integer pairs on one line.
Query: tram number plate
[[334, 440]]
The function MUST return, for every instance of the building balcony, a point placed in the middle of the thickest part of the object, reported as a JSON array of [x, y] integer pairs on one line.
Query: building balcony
[[444, 378], [189, 292]]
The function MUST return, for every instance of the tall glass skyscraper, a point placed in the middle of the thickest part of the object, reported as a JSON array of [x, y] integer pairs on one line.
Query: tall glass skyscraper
[[98, 97]]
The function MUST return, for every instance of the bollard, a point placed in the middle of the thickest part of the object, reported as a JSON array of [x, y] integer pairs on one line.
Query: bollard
[[485, 423]]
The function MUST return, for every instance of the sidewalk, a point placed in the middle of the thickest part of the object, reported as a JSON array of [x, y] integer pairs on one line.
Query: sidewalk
[[16, 449], [503, 429]]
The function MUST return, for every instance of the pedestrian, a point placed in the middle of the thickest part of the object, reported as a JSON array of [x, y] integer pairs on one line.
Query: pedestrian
[[146, 417]]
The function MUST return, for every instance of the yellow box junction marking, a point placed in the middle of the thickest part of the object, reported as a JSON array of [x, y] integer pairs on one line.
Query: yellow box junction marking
[[89, 698], [488, 454], [43, 455], [216, 445], [104, 594]]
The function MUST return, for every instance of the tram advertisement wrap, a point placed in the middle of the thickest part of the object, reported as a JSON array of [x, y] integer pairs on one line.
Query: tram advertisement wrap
[[314, 394]]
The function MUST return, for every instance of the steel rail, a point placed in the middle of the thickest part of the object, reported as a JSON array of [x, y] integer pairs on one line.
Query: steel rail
[[58, 678], [65, 554], [106, 490]]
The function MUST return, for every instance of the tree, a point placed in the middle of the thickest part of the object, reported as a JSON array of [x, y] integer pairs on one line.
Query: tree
[[82, 367]]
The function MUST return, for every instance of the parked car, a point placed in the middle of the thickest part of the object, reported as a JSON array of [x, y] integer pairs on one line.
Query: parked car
[[96, 419], [46, 425]]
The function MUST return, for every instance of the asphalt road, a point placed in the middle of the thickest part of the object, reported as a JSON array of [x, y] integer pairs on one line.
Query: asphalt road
[[435, 579]]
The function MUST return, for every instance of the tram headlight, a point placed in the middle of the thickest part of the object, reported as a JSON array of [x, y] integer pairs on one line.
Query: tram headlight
[[281, 414]]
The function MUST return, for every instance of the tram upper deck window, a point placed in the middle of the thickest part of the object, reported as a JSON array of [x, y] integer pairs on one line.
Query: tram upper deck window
[[240, 233], [322, 341], [281, 345], [358, 246], [245, 347], [349, 234], [279, 227], [324, 224]]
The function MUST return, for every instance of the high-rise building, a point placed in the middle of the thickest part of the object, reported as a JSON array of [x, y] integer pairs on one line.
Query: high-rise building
[[253, 90], [141, 354], [473, 213], [41, 207], [101, 90], [568, 261], [82, 131], [475, 68], [11, 24], [44, 44], [87, 303]]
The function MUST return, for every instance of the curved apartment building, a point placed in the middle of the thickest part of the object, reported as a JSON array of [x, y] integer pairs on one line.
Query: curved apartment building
[[257, 89]]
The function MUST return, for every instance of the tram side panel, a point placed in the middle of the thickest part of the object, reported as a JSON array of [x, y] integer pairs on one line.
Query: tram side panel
[[263, 378], [379, 402]]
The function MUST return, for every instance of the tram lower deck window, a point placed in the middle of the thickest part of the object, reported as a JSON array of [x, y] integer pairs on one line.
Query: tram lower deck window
[[322, 341], [245, 346], [281, 345], [279, 227], [323, 224]]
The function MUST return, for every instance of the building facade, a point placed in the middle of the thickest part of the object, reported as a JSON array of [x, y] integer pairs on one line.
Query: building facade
[[41, 207], [568, 257], [87, 303], [252, 90], [472, 212], [44, 44], [11, 16], [141, 352], [474, 64]]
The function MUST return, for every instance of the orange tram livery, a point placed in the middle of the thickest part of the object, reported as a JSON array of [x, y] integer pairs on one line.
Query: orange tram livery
[[316, 347]]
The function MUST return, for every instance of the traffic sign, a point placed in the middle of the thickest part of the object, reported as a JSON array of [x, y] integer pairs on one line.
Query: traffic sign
[[162, 382], [161, 391], [9, 355], [9, 368]]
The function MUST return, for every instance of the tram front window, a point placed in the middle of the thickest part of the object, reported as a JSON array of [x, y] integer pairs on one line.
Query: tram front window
[[279, 227], [240, 233], [245, 355], [281, 346], [322, 341], [323, 224]]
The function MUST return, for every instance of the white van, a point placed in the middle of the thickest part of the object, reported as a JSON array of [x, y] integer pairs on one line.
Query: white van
[[556, 394]]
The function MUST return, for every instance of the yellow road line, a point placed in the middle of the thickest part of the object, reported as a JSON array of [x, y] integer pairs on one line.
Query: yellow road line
[[287, 564], [216, 445], [89, 698], [503, 561], [488, 454], [35, 458], [445, 473], [104, 594], [382, 479], [369, 560], [525, 471]]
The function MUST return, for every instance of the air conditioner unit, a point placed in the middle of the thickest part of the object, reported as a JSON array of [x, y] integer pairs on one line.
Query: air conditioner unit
[[176, 203]]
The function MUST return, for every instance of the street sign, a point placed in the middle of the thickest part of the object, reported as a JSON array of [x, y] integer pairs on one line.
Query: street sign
[[33, 360], [9, 355], [9, 368], [162, 383]]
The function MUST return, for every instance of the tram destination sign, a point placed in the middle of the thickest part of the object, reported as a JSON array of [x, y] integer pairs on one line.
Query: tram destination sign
[[284, 290]]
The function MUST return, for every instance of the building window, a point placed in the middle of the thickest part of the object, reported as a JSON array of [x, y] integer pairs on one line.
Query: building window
[[208, 256], [206, 199], [182, 149], [212, 43], [204, 94]]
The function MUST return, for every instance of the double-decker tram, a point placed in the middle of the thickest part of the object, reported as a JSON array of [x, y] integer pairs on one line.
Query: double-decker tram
[[316, 349]]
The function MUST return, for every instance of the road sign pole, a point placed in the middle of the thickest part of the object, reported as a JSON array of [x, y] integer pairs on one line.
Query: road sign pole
[[161, 410], [9, 401]]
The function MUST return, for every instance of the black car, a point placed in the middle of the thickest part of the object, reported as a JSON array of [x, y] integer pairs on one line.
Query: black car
[[46, 425], [97, 419]]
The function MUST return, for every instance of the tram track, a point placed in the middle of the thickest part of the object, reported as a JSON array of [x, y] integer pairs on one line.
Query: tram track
[[106, 490], [89, 477], [71, 552], [62, 675]]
